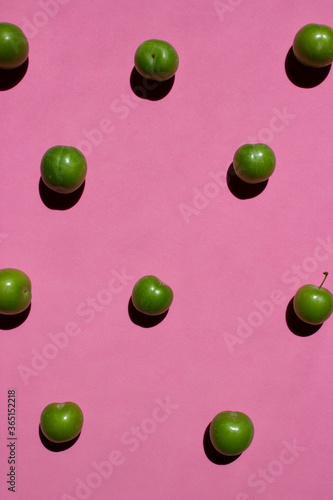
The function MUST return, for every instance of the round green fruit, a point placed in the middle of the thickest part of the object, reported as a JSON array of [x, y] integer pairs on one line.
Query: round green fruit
[[313, 304], [231, 432], [254, 163], [156, 60], [14, 46], [151, 296], [61, 422], [15, 291], [63, 169], [313, 45]]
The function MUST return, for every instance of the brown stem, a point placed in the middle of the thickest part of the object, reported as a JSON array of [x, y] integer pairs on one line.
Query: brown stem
[[326, 274]]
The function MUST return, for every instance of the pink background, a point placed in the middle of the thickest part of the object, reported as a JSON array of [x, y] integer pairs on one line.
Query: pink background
[[150, 206]]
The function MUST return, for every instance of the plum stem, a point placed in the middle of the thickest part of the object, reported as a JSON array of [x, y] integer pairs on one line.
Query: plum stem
[[326, 274]]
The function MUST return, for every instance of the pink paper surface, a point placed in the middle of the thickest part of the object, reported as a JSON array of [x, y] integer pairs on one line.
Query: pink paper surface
[[156, 201]]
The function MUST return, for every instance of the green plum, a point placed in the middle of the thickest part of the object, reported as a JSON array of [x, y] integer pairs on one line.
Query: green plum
[[254, 163], [156, 60], [15, 291], [151, 296], [313, 304], [313, 45], [61, 422], [14, 46], [63, 169], [231, 432]]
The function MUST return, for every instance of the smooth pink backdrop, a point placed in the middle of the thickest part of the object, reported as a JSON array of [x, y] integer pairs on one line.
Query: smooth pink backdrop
[[224, 260]]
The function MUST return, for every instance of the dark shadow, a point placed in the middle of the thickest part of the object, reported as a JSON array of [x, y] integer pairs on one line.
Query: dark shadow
[[9, 78], [213, 455], [150, 89], [144, 320], [56, 447], [301, 75], [243, 190], [296, 325], [11, 321], [59, 201]]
